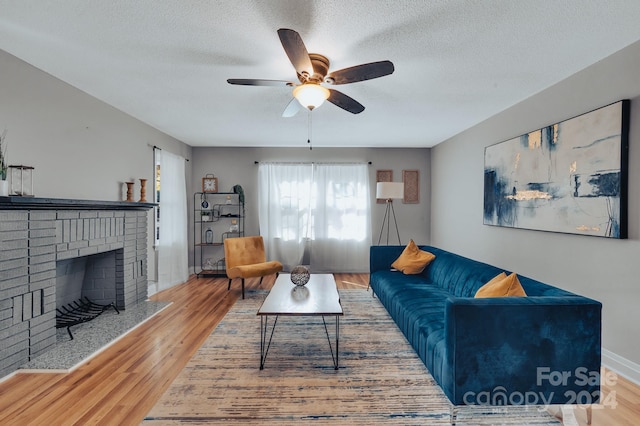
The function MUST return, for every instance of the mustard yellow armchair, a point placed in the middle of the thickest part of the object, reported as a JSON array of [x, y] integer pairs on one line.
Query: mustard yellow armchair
[[245, 258]]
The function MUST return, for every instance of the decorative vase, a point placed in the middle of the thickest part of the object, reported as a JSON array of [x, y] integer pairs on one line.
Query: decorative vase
[[130, 190], [208, 236], [300, 275], [143, 190], [4, 188]]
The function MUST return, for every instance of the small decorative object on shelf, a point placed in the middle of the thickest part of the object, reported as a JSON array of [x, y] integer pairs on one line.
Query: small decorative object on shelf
[[130, 191], [208, 264], [21, 180], [300, 275], [208, 236], [234, 226], [206, 216], [143, 190], [209, 183], [228, 200], [237, 189]]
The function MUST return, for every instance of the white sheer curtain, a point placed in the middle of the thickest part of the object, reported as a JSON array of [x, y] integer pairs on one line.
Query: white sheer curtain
[[342, 223], [172, 247], [316, 214], [285, 210]]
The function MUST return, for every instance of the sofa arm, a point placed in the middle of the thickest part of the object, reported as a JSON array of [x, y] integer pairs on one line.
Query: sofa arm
[[522, 350], [381, 257]]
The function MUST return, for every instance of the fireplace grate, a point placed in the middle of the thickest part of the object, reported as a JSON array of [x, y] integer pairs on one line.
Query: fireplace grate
[[78, 312]]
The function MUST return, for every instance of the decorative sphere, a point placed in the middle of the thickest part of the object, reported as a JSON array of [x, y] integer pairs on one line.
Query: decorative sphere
[[300, 275]]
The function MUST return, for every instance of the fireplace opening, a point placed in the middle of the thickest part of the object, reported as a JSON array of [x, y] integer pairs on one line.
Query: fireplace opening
[[85, 287], [93, 277]]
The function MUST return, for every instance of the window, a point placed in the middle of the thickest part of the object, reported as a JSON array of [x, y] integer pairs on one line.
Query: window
[[316, 214]]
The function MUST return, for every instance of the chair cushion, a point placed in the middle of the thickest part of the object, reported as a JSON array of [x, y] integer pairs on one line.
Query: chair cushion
[[244, 251], [255, 270]]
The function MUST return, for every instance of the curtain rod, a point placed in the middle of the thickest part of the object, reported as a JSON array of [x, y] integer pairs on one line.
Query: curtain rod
[[160, 149], [312, 162]]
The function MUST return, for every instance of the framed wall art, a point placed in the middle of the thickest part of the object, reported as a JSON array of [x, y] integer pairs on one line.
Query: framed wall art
[[569, 177], [411, 179]]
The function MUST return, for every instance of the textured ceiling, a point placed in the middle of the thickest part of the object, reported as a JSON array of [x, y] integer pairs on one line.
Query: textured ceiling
[[457, 62]]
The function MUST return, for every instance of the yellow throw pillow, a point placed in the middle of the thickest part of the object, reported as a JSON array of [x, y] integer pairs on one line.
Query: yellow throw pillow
[[502, 286], [413, 260]]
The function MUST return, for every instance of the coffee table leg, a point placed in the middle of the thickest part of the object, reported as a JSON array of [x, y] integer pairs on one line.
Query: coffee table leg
[[264, 345], [335, 357], [337, 340], [262, 338]]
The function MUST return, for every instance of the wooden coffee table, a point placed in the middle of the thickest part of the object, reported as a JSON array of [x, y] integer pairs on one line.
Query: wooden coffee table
[[319, 297]]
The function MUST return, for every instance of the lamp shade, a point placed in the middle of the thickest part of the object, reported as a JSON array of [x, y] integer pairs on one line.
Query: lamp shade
[[310, 95], [389, 190]]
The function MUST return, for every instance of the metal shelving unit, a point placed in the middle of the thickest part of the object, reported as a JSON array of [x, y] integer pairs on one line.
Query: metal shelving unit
[[221, 213]]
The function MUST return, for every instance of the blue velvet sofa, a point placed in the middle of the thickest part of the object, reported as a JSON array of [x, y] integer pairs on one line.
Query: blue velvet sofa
[[535, 350]]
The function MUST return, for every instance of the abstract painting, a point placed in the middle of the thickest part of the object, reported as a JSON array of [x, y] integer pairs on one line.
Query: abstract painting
[[569, 177]]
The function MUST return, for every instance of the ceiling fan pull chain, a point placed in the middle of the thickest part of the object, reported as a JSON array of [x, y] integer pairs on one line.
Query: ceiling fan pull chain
[[309, 133]]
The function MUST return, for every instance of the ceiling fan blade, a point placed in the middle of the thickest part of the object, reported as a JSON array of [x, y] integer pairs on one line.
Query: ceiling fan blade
[[345, 102], [296, 51], [292, 108], [361, 72], [254, 82]]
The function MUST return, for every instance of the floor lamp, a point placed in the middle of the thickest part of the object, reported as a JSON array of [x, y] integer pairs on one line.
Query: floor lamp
[[389, 191]]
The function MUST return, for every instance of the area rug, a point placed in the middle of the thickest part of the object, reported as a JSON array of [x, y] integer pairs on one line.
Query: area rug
[[381, 380]]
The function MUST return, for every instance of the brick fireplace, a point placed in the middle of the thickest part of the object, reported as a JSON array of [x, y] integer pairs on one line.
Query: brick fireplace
[[36, 234]]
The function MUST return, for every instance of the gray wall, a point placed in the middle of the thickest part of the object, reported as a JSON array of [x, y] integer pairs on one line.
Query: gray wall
[[80, 147], [237, 166], [605, 270]]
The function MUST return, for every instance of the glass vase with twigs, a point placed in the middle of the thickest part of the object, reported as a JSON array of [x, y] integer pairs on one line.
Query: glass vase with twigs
[[3, 155]]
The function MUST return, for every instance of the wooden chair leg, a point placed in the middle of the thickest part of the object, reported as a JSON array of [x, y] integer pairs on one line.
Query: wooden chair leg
[[243, 288], [589, 414]]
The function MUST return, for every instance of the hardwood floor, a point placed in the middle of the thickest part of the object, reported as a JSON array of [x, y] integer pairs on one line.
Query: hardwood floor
[[121, 384]]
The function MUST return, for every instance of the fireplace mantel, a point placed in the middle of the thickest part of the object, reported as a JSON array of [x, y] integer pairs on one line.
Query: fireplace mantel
[[38, 203]]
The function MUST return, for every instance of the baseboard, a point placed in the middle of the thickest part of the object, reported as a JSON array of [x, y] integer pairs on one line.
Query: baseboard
[[629, 369]]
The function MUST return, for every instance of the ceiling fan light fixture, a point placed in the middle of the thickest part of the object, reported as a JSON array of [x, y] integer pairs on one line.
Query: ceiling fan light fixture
[[311, 95]]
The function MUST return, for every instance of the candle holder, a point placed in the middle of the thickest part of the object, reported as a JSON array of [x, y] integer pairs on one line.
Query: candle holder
[[143, 190], [130, 190]]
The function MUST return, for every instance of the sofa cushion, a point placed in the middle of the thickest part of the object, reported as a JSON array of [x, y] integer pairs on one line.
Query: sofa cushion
[[412, 260], [502, 286]]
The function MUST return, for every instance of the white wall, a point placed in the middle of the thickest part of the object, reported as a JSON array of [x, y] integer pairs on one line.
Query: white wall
[[605, 270], [237, 166], [80, 147]]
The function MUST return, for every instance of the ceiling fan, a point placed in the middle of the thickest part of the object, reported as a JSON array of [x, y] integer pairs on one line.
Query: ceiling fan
[[312, 69]]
